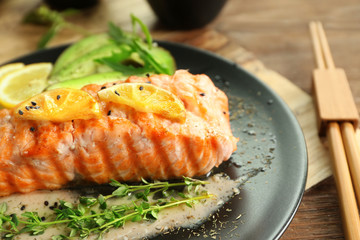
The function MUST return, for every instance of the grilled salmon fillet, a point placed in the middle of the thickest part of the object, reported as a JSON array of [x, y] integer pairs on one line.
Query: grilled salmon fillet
[[123, 144]]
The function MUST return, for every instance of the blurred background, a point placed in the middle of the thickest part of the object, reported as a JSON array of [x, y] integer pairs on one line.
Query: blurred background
[[276, 31]]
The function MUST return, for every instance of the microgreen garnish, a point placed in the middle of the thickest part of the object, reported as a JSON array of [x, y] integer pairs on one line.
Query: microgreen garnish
[[130, 44], [96, 215]]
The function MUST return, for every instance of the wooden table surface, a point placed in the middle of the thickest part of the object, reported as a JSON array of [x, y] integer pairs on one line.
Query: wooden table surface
[[275, 31]]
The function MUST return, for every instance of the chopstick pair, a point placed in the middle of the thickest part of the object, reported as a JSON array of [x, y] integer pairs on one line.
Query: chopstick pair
[[338, 119]]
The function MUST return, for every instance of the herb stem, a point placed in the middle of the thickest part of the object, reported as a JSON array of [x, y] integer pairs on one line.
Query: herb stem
[[156, 207], [46, 223]]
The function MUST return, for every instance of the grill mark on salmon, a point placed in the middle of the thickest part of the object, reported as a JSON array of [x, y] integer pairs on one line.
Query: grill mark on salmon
[[119, 151], [126, 145], [94, 155], [162, 156], [133, 164], [80, 165], [45, 167], [180, 163], [191, 161], [206, 158], [107, 155]]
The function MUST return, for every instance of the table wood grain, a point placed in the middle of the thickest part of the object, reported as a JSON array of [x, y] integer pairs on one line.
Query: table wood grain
[[275, 31]]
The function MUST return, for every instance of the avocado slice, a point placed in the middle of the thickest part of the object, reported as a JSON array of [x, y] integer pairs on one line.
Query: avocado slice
[[79, 49], [79, 60], [86, 65], [164, 57], [98, 78]]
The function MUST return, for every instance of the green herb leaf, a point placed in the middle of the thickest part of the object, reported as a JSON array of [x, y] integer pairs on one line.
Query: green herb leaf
[[144, 28], [144, 181], [14, 220], [59, 237], [147, 57], [3, 208], [154, 213], [118, 35], [137, 46], [121, 191], [87, 201], [81, 209], [136, 218], [102, 202], [182, 195], [115, 183]]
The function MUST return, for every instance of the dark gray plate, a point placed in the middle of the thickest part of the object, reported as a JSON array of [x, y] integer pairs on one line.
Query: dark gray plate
[[271, 156]]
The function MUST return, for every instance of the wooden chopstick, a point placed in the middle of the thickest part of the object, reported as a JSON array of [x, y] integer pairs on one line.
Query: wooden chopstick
[[330, 86], [329, 62]]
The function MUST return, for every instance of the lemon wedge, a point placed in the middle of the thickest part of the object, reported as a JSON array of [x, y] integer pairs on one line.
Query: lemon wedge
[[145, 97], [59, 105], [23, 83], [9, 68]]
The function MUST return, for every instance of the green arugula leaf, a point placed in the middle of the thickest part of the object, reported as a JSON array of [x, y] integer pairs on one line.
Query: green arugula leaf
[[148, 58], [118, 35], [144, 28], [137, 46]]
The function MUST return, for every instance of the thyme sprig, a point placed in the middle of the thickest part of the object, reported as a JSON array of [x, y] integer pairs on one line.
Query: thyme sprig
[[96, 216]]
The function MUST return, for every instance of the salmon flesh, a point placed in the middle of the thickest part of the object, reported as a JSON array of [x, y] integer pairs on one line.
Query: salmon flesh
[[123, 144]]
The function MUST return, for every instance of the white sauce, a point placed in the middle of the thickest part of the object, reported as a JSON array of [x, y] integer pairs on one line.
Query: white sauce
[[182, 216]]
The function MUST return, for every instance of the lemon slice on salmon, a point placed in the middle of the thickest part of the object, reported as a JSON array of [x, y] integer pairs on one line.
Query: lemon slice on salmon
[[23, 83], [145, 97], [59, 105]]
